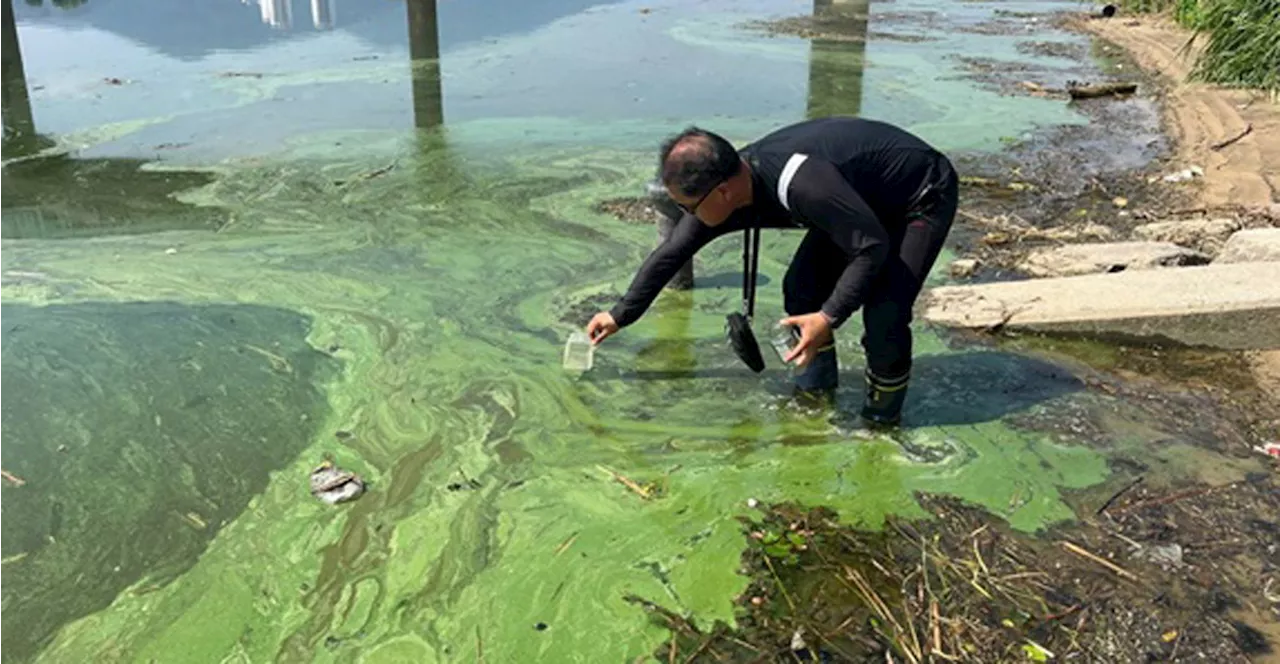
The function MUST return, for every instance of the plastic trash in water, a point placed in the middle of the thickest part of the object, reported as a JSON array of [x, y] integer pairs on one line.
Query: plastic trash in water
[[579, 353]]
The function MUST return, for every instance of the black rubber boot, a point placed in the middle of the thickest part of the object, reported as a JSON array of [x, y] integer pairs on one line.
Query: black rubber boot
[[822, 374], [884, 399]]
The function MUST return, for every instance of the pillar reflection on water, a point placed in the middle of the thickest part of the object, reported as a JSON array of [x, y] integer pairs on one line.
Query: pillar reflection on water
[[19, 123], [436, 166], [836, 65], [56, 195], [424, 54]]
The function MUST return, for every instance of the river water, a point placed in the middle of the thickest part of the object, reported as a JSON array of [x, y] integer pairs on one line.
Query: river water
[[240, 237]]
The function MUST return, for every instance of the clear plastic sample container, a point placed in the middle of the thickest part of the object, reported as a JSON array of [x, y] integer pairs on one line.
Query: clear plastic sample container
[[579, 353], [783, 340]]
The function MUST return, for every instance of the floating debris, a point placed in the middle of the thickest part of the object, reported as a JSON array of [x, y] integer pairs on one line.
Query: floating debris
[[1168, 555], [195, 520], [1185, 174], [334, 485], [646, 490], [1078, 91], [17, 481]]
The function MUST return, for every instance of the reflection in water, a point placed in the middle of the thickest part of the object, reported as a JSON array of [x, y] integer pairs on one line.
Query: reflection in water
[[323, 13], [424, 54], [276, 13], [19, 124], [279, 13], [836, 65], [57, 195], [672, 351]]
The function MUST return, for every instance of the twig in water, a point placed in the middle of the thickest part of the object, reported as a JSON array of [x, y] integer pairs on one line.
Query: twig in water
[[564, 546], [1064, 614], [479, 647], [1101, 561], [368, 175], [876, 603], [642, 491], [1248, 128], [1174, 497], [1115, 496], [785, 594], [17, 481], [936, 622], [706, 643]]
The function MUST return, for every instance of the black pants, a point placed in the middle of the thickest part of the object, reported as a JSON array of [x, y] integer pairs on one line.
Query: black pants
[[887, 311]]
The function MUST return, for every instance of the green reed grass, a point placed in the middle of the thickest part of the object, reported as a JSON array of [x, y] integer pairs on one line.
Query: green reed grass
[[1242, 38], [1243, 46]]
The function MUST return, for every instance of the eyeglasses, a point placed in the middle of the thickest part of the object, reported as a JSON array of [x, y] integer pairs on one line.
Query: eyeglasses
[[693, 211]]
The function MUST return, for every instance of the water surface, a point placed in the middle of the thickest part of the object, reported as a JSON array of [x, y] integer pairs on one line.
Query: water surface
[[396, 205]]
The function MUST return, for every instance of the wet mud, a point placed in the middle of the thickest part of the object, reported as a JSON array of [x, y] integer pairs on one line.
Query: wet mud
[[959, 585]]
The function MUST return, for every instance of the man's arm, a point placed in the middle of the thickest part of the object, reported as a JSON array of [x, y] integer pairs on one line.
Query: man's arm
[[821, 196], [688, 236]]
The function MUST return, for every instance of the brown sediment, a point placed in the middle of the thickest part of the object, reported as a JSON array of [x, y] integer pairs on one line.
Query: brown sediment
[[1199, 115], [1233, 135], [961, 586]]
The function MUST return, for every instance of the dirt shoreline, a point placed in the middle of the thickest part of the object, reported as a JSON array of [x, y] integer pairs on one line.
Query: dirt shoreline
[[1199, 116], [1233, 134]]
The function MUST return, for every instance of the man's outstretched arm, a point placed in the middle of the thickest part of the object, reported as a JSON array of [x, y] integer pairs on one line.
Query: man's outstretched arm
[[688, 236]]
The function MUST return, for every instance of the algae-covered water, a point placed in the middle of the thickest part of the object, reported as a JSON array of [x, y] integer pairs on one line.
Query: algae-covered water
[[331, 252]]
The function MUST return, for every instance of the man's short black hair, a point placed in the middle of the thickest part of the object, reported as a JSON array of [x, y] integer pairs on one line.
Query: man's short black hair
[[702, 161]]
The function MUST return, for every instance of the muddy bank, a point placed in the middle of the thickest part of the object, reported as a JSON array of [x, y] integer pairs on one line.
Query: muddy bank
[[1202, 118], [962, 586]]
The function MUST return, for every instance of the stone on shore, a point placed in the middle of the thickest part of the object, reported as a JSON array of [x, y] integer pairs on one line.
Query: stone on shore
[[1199, 233], [1101, 257], [1229, 306], [1251, 246], [963, 268]]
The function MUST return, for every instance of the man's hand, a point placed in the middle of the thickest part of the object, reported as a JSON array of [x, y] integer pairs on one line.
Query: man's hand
[[815, 333], [602, 325]]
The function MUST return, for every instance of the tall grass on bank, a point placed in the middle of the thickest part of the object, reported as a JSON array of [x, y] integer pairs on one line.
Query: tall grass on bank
[[1243, 46], [1185, 12], [1242, 38]]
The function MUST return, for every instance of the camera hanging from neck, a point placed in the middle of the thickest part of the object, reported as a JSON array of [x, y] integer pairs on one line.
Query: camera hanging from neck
[[738, 324]]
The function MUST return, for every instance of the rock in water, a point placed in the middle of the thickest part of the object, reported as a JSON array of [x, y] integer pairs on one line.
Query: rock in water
[[334, 485]]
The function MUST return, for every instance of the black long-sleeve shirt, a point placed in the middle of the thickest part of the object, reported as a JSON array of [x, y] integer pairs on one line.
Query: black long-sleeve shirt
[[851, 178]]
